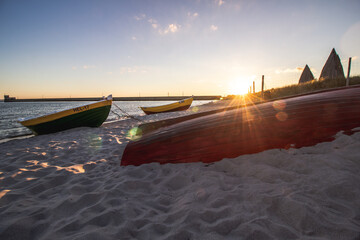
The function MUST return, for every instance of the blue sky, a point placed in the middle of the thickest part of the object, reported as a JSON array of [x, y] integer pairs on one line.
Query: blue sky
[[155, 48]]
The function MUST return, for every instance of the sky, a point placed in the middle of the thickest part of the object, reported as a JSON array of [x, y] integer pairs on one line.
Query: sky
[[85, 48]]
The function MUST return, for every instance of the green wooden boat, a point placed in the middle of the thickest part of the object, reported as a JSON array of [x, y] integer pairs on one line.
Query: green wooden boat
[[90, 115]]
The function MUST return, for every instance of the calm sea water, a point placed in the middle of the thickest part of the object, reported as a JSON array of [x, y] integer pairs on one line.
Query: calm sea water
[[12, 111]]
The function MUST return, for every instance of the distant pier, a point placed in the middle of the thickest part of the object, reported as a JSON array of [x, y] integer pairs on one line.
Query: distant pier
[[7, 98]]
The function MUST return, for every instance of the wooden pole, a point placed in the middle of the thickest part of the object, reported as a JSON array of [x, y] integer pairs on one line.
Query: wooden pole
[[253, 86], [348, 74], [262, 87]]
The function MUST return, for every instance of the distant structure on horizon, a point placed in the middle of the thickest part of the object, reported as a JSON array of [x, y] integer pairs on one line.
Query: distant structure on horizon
[[332, 68], [306, 75], [7, 98]]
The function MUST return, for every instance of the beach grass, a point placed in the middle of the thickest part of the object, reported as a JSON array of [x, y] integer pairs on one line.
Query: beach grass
[[296, 89], [310, 86]]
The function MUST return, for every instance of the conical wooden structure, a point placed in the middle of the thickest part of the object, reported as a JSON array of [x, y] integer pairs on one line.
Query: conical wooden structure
[[306, 75], [332, 68]]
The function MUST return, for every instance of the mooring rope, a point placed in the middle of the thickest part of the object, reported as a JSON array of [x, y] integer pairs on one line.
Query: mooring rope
[[125, 113], [115, 113]]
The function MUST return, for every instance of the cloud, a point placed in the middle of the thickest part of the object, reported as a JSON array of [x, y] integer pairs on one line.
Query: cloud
[[213, 28], [85, 67], [171, 28], [88, 66], [289, 70], [153, 23], [354, 58], [133, 38], [140, 17], [219, 2], [109, 73], [128, 70], [134, 69], [192, 15]]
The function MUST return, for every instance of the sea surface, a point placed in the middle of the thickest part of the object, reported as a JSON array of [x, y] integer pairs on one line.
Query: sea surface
[[10, 112]]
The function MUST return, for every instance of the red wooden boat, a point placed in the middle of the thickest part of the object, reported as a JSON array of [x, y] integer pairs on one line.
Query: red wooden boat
[[292, 122]]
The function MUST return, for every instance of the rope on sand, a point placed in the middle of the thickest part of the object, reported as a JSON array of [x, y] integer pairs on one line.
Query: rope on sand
[[115, 114], [125, 113]]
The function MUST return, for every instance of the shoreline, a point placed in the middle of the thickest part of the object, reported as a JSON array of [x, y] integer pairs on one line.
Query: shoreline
[[16, 137], [113, 116], [158, 98]]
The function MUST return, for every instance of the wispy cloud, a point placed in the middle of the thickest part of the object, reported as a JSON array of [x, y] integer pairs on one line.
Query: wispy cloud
[[345, 62], [289, 70], [213, 28], [354, 58], [133, 69], [88, 66], [153, 23], [172, 28], [140, 17], [85, 67], [192, 15], [127, 70], [219, 2], [133, 38]]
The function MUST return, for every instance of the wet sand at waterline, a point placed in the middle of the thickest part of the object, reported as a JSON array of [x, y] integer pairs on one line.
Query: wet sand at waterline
[[70, 185]]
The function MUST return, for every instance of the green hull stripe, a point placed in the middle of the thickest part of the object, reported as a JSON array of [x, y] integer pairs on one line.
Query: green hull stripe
[[91, 118]]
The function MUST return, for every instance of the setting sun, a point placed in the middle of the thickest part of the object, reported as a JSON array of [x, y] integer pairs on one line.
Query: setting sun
[[239, 87]]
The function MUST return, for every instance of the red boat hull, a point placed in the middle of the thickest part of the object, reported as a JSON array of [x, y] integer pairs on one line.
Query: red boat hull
[[293, 122]]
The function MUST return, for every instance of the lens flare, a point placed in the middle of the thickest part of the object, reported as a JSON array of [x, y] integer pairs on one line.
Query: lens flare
[[134, 134], [279, 105], [94, 142], [281, 116], [195, 109]]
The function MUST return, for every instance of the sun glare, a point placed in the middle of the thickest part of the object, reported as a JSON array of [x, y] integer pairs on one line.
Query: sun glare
[[238, 87]]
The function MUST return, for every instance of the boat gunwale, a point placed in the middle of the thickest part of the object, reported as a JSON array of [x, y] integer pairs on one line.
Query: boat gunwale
[[170, 104]]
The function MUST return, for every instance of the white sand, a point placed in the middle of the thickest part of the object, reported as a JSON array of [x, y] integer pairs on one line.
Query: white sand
[[69, 185]]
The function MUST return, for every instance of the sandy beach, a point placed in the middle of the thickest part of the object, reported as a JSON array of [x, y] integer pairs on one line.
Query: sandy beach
[[70, 185]]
